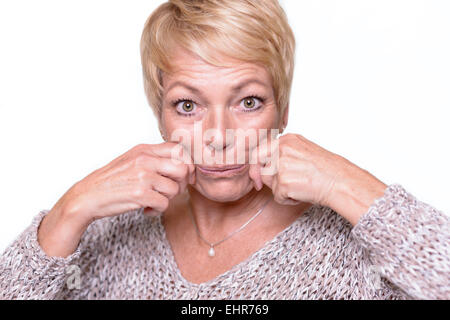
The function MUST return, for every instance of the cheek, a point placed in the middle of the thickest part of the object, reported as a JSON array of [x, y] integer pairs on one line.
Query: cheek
[[266, 119], [179, 133], [171, 124]]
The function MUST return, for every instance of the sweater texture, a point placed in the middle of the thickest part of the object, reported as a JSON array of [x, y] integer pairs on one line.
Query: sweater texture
[[399, 249]]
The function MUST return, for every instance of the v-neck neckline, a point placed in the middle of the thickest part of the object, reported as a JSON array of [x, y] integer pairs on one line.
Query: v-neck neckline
[[269, 244]]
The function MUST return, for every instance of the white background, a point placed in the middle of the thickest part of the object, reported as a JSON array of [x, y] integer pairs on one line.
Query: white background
[[371, 83]]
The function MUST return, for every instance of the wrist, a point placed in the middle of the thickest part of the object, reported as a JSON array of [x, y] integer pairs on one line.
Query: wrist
[[60, 231], [353, 196], [72, 215]]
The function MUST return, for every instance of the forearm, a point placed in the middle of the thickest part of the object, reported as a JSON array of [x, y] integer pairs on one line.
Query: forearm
[[60, 231], [354, 192], [27, 272], [409, 242]]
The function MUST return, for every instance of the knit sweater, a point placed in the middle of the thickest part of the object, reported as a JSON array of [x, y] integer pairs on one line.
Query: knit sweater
[[399, 249]]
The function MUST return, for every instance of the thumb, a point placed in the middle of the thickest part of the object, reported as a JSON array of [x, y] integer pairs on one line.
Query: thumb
[[264, 163], [255, 175]]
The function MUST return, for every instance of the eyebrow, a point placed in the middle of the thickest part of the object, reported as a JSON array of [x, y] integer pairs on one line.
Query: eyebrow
[[235, 89]]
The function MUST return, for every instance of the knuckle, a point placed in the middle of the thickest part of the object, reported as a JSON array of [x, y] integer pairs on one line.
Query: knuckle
[[164, 203], [138, 192], [181, 171], [286, 136], [142, 176], [140, 159], [291, 136], [141, 147], [174, 188]]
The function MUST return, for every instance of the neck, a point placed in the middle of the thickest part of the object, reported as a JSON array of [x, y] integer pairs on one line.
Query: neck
[[216, 219], [212, 213]]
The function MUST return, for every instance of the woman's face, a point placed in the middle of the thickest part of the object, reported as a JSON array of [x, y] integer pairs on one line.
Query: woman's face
[[202, 101]]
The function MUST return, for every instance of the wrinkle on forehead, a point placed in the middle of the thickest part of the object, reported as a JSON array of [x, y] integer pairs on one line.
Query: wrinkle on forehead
[[188, 66]]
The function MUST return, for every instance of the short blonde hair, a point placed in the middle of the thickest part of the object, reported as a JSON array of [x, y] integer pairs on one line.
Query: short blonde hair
[[255, 31]]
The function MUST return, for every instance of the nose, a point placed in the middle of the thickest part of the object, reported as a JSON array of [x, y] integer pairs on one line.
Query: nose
[[215, 125]]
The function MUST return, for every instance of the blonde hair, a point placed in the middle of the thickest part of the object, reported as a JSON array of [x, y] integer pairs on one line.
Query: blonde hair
[[255, 31]]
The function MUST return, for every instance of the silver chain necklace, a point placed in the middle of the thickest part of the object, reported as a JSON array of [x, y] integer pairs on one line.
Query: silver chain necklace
[[211, 251]]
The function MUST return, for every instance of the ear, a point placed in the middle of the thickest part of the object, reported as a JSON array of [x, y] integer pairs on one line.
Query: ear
[[284, 119]]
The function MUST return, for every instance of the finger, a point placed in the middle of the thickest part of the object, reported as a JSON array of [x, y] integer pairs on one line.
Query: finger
[[269, 157], [255, 175], [268, 180], [263, 163], [155, 201], [254, 171], [167, 168], [178, 154], [279, 196], [166, 186]]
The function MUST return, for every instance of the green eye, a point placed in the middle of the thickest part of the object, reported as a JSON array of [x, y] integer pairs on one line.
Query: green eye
[[249, 103], [187, 106]]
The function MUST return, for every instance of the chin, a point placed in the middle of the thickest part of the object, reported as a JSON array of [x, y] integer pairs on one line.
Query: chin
[[224, 190]]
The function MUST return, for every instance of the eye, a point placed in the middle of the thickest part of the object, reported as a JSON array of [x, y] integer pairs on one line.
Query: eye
[[184, 107], [252, 103], [249, 103], [187, 106]]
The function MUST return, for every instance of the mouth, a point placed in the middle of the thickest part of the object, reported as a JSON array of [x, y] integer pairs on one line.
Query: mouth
[[222, 171]]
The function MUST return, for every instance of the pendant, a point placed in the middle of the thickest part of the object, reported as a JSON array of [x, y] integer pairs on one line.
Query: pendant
[[211, 252]]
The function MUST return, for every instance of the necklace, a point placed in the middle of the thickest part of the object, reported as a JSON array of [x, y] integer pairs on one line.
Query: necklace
[[211, 251]]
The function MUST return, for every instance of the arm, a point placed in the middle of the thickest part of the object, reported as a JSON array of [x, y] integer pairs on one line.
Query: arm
[[27, 272], [72, 234], [409, 242]]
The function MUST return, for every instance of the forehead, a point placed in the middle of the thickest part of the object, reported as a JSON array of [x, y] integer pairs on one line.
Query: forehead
[[191, 67]]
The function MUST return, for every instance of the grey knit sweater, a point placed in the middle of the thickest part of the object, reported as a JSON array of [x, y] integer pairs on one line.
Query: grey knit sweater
[[400, 249]]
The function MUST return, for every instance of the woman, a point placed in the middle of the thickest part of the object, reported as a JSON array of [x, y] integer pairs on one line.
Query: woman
[[285, 219]]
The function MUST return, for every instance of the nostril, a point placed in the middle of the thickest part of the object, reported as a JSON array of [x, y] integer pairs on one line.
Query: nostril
[[214, 140], [219, 145], [215, 146]]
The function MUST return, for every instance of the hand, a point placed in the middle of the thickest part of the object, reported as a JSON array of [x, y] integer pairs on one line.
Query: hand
[[145, 176], [302, 171]]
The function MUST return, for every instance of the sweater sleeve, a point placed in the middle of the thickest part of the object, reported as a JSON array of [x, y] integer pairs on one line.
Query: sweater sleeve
[[27, 272], [408, 242]]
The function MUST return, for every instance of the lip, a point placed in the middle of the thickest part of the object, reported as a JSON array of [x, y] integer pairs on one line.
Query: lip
[[222, 171]]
